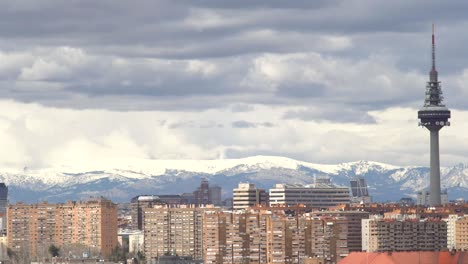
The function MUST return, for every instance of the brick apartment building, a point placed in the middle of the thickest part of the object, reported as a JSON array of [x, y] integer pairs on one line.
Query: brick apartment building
[[32, 228], [379, 234], [174, 230], [264, 236]]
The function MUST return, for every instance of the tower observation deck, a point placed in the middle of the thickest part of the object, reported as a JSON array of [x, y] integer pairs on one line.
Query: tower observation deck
[[434, 116]]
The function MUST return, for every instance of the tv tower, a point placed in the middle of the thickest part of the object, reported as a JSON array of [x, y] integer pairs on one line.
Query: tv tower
[[434, 116]]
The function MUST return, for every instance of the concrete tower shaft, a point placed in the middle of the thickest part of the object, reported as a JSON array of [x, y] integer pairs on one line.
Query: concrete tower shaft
[[433, 116]]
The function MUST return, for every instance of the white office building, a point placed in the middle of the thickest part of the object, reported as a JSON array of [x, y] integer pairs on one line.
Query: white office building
[[322, 194]]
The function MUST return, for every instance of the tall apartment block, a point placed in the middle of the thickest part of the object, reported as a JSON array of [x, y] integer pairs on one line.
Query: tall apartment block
[[214, 237], [354, 220], [264, 236], [247, 195], [138, 204], [461, 233], [451, 226], [32, 228], [329, 238], [174, 230], [457, 232], [320, 195], [380, 235]]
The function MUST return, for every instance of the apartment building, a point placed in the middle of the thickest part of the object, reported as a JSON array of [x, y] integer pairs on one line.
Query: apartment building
[[461, 233], [214, 237], [379, 234], [320, 195], [329, 238], [32, 228], [451, 230], [354, 221], [264, 236], [174, 230]]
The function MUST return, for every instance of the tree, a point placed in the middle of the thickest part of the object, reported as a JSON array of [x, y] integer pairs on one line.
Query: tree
[[54, 251], [12, 255], [141, 256], [118, 254]]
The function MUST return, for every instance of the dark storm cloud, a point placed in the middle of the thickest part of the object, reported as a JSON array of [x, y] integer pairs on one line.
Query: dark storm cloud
[[195, 55]]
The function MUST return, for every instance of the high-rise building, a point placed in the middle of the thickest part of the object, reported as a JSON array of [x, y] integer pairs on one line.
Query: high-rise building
[[206, 194], [246, 195], [214, 195], [3, 205], [92, 224], [139, 203], [461, 233], [264, 236], [434, 116], [451, 230], [329, 238], [201, 194], [174, 230], [359, 190], [354, 220], [323, 194], [214, 237]]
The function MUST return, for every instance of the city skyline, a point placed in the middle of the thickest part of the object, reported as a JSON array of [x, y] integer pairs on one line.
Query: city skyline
[[325, 82]]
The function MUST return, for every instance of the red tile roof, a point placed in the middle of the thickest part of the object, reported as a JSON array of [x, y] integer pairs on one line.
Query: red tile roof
[[421, 257]]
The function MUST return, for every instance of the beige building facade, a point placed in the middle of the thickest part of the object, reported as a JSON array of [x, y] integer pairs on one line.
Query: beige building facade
[[461, 233], [263, 236], [174, 230], [32, 228], [379, 235]]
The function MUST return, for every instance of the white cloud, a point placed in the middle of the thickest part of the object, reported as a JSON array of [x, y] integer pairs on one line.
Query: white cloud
[[38, 136]]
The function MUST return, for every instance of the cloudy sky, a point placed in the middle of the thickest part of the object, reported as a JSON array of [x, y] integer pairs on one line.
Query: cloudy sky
[[322, 81]]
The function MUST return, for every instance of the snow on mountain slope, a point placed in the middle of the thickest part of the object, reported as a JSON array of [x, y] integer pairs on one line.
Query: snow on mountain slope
[[122, 179], [140, 169]]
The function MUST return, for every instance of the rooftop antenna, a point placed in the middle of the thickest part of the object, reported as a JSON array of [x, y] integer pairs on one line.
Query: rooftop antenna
[[433, 48]]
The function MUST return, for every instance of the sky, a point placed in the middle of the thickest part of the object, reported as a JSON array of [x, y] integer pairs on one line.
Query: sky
[[320, 81]]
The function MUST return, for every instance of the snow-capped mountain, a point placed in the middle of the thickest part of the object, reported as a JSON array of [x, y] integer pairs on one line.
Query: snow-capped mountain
[[122, 179]]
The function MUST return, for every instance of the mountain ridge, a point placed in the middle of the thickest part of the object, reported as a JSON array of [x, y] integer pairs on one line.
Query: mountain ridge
[[120, 180]]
